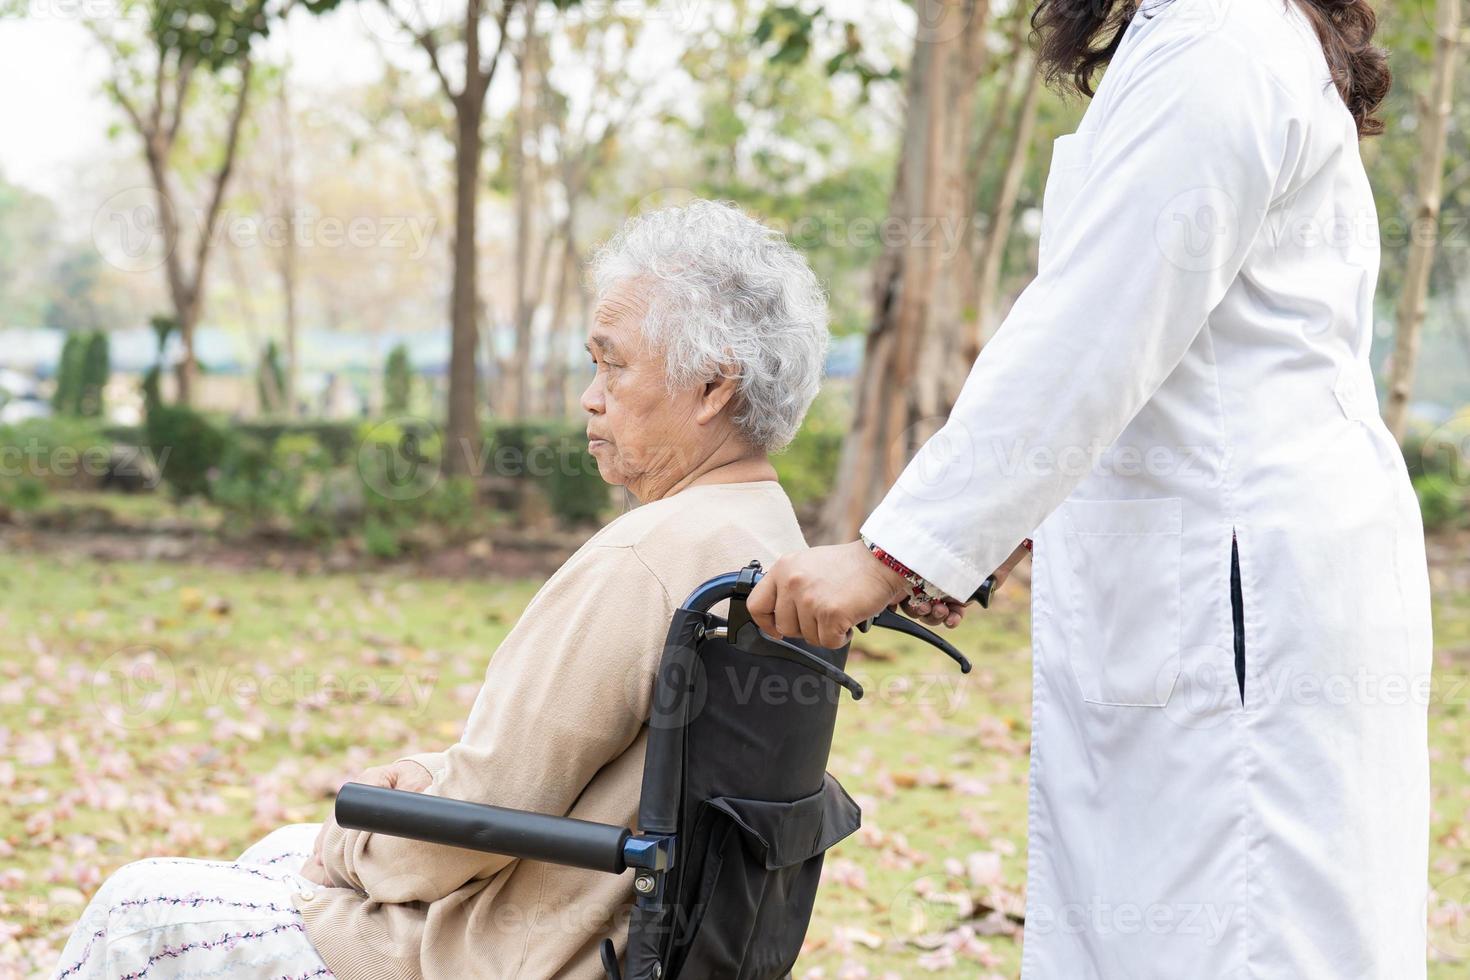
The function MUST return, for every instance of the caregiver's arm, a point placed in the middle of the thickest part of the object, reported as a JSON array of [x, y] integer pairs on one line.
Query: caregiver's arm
[[566, 693], [1199, 142]]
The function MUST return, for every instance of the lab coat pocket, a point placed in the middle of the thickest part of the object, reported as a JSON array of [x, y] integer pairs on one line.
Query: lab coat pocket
[[1123, 634], [1070, 156]]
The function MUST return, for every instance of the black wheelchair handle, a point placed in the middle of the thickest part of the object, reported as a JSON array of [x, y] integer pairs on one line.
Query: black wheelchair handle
[[736, 586]]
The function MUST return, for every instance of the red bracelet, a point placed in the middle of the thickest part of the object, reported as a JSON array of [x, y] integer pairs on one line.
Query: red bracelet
[[909, 575]]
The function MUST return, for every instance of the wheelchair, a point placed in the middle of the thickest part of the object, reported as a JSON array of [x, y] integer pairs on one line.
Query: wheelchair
[[736, 811]]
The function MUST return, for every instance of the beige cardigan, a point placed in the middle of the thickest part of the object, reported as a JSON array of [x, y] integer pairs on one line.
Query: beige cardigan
[[558, 727]]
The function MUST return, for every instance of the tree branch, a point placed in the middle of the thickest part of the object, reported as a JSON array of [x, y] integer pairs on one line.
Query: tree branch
[[425, 39], [221, 179], [487, 72]]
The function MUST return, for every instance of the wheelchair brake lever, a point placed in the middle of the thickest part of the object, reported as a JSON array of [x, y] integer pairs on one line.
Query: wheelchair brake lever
[[888, 619], [744, 638]]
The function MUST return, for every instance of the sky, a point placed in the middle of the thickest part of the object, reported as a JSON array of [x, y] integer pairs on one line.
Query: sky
[[53, 115]]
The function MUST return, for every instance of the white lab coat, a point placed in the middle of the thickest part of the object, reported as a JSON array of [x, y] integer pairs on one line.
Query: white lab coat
[[1191, 362]]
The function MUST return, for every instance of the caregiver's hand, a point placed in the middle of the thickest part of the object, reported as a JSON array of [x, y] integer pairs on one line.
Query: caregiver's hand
[[821, 593]]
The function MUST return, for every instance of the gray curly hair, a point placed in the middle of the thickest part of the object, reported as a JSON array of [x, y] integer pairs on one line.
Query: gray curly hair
[[726, 296]]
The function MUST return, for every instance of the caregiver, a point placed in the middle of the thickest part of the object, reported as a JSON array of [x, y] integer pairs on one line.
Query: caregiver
[[1231, 632]]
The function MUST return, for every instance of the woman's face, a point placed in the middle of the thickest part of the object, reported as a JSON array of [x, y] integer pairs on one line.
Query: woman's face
[[643, 436]]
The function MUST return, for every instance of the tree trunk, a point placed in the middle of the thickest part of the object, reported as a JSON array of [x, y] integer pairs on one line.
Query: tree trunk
[[992, 253], [1433, 131], [461, 444], [525, 159], [288, 259], [556, 346], [918, 309], [975, 165]]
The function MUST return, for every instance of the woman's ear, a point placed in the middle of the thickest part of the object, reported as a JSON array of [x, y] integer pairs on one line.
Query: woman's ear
[[716, 395]]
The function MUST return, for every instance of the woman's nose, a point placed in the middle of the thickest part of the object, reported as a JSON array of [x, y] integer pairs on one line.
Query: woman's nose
[[592, 396]]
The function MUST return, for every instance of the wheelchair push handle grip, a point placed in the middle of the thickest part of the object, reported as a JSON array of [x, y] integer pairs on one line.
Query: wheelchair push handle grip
[[742, 582], [481, 827]]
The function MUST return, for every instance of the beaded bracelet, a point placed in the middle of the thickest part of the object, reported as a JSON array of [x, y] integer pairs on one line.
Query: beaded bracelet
[[918, 585]]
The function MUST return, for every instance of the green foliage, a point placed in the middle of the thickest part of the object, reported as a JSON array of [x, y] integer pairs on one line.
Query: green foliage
[[1439, 462], [68, 376], [770, 131], [21, 493], [270, 380], [187, 445], [82, 374], [551, 457], [808, 467], [790, 29], [1442, 502], [62, 452], [381, 540], [397, 381], [95, 369]]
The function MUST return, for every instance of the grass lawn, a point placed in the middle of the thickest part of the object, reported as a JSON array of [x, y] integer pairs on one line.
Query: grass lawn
[[165, 709]]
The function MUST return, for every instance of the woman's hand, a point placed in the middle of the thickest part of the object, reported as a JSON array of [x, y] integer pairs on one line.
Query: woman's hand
[[402, 775], [821, 593], [950, 611]]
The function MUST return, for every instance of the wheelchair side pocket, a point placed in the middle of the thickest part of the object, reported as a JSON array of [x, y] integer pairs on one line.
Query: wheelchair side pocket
[[758, 874]]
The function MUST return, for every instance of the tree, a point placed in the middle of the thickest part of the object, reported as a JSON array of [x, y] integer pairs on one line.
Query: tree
[[162, 54], [397, 382], [918, 312], [68, 375], [477, 64], [559, 146], [96, 367], [1433, 134], [270, 380], [989, 257]]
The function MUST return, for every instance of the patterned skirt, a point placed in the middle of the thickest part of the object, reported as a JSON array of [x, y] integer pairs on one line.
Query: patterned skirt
[[182, 918]]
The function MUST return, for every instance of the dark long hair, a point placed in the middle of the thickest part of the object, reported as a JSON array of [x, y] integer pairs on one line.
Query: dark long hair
[[1078, 37]]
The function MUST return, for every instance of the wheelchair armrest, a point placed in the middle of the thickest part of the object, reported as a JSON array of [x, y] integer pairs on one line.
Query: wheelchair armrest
[[497, 830]]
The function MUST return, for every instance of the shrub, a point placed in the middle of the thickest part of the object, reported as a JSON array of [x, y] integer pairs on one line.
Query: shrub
[[60, 452], [92, 375], [21, 493], [1439, 462], [807, 467], [68, 376], [397, 382], [1442, 501], [270, 380], [550, 457], [194, 447]]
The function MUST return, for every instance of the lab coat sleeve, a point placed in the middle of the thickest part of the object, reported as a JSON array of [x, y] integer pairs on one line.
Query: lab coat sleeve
[[1197, 144]]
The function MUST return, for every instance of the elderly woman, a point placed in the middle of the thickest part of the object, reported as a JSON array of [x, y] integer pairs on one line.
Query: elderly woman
[[708, 342]]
